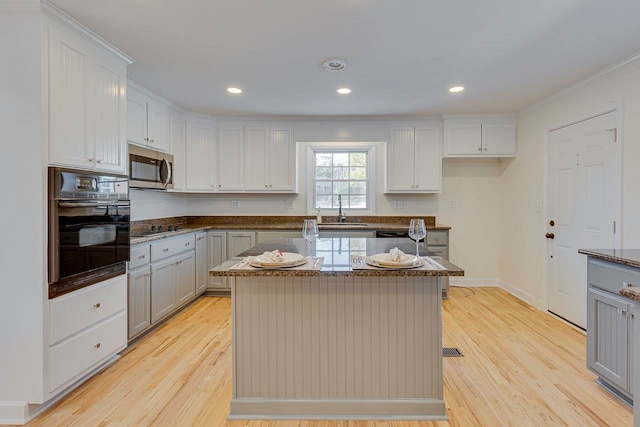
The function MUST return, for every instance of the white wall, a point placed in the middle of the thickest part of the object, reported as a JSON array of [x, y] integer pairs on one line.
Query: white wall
[[522, 226], [23, 189]]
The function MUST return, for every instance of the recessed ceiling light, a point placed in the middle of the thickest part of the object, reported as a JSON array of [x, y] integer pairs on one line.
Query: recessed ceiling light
[[344, 90], [456, 89], [334, 64], [234, 90]]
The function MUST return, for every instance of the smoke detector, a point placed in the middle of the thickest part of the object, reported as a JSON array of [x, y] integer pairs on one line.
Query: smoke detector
[[334, 64]]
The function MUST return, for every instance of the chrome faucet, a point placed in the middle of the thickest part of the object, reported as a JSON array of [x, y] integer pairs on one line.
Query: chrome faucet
[[341, 216]]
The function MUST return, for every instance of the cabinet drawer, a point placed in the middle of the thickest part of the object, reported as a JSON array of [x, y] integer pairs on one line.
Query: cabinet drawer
[[611, 276], [139, 255], [78, 355], [78, 310], [168, 247], [437, 238]]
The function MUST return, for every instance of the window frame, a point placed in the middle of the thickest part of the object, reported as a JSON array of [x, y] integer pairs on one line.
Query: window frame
[[336, 147]]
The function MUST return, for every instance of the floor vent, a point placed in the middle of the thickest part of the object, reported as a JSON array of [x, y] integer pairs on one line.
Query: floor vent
[[451, 352]]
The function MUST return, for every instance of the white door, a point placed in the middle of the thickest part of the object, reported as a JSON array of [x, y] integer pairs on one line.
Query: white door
[[583, 203]]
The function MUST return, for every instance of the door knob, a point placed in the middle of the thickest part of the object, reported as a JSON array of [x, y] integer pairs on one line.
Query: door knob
[[550, 235]]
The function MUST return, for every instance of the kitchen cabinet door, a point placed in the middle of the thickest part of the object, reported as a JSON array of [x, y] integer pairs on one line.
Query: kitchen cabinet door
[[281, 160], [109, 114], [608, 337], [463, 138], [69, 97], [202, 264], [139, 301], [158, 125], [256, 155], [428, 159], [498, 139], [163, 290], [238, 242], [217, 255], [199, 156], [230, 159], [185, 276], [136, 117], [178, 150]]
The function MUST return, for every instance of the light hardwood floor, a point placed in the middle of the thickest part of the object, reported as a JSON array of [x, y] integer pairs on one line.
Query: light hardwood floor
[[521, 367]]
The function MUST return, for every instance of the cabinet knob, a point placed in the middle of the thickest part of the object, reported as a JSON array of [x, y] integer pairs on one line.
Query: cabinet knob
[[485, 148], [417, 186], [479, 148], [265, 186], [146, 139], [550, 236], [96, 305], [187, 244], [99, 161], [97, 345], [152, 140], [270, 185], [91, 159], [165, 250], [142, 257]]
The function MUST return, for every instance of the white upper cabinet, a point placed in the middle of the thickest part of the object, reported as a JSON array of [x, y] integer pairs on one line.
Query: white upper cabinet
[[148, 121], [414, 159], [480, 137], [230, 166], [199, 153], [269, 155], [86, 104], [178, 149]]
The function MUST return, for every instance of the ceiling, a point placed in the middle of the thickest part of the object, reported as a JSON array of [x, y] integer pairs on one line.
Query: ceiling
[[402, 56]]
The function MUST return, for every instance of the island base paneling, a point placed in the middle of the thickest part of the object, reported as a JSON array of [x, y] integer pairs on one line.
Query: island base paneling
[[337, 346]]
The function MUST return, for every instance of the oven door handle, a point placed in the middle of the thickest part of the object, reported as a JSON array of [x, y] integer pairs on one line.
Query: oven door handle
[[85, 204]]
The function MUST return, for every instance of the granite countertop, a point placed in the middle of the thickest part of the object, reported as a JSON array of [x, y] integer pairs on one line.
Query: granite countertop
[[629, 257], [337, 254], [140, 229]]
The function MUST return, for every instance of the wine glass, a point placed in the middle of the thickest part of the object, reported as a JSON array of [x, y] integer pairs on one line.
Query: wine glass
[[417, 231], [310, 232]]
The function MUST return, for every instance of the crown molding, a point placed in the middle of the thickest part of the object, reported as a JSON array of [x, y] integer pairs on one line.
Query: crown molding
[[583, 82], [61, 17]]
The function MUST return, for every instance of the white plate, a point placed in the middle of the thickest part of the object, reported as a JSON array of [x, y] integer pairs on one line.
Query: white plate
[[405, 261], [254, 263], [419, 262], [289, 258]]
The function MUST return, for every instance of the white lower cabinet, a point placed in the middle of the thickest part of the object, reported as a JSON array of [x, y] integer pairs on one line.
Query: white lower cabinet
[[202, 264], [87, 328], [217, 246], [163, 290], [139, 300], [239, 241], [185, 277]]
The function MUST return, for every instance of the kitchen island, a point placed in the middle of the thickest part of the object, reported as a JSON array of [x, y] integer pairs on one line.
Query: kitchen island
[[337, 339]]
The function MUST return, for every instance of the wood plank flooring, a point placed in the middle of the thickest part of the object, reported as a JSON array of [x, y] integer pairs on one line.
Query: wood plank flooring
[[521, 367]]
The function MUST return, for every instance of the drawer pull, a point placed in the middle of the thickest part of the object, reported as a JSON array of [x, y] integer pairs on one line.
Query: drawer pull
[[96, 305], [187, 244], [142, 257], [98, 345], [165, 250]]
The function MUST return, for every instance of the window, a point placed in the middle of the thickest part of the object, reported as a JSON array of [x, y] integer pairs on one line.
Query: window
[[341, 173]]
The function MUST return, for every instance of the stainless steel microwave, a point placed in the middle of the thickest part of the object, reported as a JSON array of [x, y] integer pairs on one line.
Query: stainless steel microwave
[[150, 168]]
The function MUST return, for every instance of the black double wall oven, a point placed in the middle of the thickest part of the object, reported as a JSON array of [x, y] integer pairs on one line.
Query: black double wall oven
[[89, 228]]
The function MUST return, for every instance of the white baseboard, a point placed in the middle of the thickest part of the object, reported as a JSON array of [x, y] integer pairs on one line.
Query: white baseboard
[[517, 292], [467, 282], [14, 413]]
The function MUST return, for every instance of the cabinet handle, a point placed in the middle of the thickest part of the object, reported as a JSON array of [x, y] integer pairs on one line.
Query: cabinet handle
[[619, 311], [91, 159], [99, 161], [485, 148], [187, 244], [96, 305], [146, 139], [98, 345], [219, 185], [417, 186], [152, 140], [142, 257], [479, 148], [265, 186], [165, 250]]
